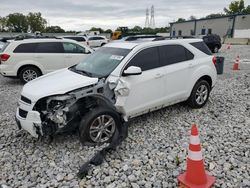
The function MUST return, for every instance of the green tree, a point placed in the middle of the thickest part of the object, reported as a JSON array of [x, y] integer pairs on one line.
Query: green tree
[[161, 30], [192, 17], [216, 15], [181, 20], [246, 10], [108, 31], [136, 29], [17, 22], [237, 7], [54, 29], [36, 21], [3, 22], [97, 29], [148, 30]]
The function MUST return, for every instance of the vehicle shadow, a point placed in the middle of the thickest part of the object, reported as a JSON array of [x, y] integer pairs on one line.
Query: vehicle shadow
[[11, 81]]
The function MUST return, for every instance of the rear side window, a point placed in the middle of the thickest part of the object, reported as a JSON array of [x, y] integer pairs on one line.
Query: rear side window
[[202, 47], [96, 38], [26, 48], [171, 54], [79, 39], [146, 59], [3, 46], [49, 47], [99, 38], [72, 48]]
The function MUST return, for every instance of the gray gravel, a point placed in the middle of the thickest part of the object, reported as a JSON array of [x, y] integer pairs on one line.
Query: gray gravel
[[155, 152]]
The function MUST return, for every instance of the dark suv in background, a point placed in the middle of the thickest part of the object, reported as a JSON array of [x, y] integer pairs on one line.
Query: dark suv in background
[[213, 42]]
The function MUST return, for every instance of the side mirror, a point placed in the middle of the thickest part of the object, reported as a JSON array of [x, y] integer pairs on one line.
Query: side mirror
[[132, 70], [87, 51]]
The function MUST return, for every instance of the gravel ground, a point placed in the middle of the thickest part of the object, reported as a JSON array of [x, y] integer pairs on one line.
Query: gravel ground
[[155, 152]]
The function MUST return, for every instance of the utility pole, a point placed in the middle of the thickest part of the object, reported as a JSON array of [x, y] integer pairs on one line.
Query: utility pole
[[152, 19], [147, 18]]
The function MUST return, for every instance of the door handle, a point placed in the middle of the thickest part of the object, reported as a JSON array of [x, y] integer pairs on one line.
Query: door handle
[[158, 75]]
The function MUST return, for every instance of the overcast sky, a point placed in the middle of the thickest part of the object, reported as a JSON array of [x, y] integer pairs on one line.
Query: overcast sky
[[84, 14]]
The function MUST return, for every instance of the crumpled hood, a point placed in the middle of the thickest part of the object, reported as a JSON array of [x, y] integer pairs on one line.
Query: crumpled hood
[[58, 82]]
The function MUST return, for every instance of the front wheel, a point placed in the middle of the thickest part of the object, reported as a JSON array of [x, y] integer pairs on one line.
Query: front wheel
[[200, 94], [99, 125]]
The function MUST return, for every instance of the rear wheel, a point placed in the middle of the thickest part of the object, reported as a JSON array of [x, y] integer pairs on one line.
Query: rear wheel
[[29, 73], [99, 125], [200, 94]]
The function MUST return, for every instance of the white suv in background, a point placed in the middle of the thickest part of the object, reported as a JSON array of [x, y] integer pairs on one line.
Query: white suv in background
[[97, 41], [80, 39], [115, 83], [31, 58]]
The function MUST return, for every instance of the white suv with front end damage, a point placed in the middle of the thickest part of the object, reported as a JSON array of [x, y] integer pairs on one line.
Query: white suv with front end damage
[[115, 83]]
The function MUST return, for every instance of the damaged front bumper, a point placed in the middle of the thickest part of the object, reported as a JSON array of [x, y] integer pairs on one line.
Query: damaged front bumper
[[32, 123]]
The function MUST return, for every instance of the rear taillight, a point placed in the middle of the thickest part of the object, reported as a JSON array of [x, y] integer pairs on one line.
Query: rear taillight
[[4, 57], [214, 60]]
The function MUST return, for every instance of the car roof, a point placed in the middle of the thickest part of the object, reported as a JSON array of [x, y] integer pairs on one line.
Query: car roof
[[41, 40], [96, 36], [132, 44], [73, 36]]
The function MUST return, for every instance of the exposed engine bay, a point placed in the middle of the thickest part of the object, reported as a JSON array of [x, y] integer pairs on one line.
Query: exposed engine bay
[[62, 113]]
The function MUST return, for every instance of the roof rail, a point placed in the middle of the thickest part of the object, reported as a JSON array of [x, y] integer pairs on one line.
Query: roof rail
[[43, 37]]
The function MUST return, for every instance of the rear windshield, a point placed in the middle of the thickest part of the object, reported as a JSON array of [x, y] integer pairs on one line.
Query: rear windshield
[[3, 46], [202, 47]]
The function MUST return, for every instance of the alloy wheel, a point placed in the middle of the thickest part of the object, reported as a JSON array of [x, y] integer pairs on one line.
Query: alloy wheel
[[201, 94], [102, 128], [29, 75]]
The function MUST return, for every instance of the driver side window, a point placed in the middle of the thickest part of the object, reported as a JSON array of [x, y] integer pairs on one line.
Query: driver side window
[[146, 59], [73, 48]]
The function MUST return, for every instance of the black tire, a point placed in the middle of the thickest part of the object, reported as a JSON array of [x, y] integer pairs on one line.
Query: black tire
[[34, 73], [194, 101], [90, 121], [102, 44]]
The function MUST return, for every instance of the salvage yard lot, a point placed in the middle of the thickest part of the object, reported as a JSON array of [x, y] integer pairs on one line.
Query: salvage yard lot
[[154, 153]]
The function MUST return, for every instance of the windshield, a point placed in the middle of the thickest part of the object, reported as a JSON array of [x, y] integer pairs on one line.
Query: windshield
[[102, 62]]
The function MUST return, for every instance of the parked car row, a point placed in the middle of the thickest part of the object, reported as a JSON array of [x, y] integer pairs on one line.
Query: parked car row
[[31, 58], [92, 41]]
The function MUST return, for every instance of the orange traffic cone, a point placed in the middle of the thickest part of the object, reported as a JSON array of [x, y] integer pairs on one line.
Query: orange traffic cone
[[236, 63], [195, 176]]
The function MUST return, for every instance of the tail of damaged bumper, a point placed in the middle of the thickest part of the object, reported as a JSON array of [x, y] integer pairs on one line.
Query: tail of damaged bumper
[[32, 123]]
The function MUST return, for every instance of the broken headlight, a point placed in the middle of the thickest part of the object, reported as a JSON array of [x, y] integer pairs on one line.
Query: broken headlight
[[57, 102], [57, 109]]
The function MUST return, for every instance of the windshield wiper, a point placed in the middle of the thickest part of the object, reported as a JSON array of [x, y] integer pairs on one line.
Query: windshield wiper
[[80, 71], [85, 72]]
